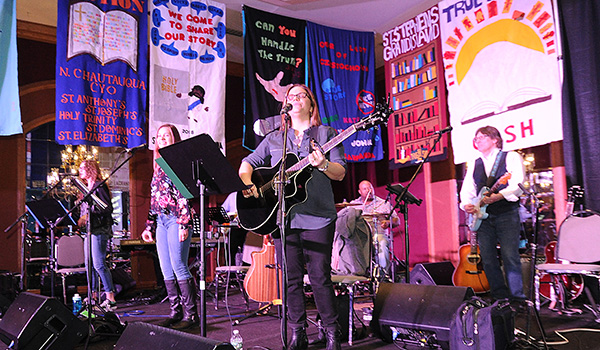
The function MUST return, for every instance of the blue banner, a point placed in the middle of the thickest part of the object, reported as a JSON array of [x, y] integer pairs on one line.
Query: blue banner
[[10, 122], [101, 73], [343, 80]]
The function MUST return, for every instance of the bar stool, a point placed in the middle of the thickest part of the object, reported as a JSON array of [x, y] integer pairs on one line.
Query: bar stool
[[350, 284], [222, 272]]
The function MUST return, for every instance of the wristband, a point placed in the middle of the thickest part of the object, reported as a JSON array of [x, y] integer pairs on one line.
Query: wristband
[[324, 168]]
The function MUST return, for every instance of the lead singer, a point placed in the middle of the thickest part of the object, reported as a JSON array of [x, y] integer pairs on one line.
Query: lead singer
[[310, 225]]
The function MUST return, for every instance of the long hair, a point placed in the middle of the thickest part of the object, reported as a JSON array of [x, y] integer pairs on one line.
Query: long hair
[[91, 167], [315, 117], [492, 133], [176, 138]]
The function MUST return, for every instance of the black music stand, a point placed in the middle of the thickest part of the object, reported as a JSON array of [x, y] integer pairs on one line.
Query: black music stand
[[198, 163], [48, 213], [218, 214]]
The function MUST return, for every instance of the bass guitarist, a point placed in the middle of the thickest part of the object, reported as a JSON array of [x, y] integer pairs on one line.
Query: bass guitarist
[[503, 223], [310, 224]]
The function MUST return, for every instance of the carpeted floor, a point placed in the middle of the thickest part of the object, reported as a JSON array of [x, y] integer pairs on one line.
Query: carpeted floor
[[264, 331]]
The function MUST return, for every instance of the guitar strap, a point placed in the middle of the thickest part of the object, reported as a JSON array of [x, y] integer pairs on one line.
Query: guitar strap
[[492, 178]]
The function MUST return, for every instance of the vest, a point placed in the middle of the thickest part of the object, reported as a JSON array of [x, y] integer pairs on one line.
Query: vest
[[481, 180]]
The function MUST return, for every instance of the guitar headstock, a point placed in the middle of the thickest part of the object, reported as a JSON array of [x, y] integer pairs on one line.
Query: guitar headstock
[[379, 116], [575, 194], [502, 180]]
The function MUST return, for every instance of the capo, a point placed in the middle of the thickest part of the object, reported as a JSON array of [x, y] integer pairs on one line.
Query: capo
[[315, 145]]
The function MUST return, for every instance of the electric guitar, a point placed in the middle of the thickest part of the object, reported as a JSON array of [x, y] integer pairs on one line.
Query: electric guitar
[[476, 218], [259, 214]]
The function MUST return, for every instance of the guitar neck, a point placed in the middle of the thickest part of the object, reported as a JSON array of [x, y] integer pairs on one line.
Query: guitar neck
[[326, 148]]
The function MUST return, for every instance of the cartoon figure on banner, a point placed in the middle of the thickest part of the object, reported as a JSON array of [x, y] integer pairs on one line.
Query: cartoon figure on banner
[[198, 92]]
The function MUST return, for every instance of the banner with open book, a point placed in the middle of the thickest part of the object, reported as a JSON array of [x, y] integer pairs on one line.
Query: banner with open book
[[501, 69], [187, 68], [101, 73]]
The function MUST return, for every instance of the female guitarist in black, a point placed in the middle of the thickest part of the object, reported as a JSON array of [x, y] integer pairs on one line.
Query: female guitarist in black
[[310, 224]]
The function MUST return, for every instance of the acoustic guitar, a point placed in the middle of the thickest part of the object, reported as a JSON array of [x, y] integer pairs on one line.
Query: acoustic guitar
[[469, 272], [260, 282], [259, 214]]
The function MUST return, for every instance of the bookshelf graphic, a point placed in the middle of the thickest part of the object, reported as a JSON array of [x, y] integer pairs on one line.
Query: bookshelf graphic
[[415, 82]]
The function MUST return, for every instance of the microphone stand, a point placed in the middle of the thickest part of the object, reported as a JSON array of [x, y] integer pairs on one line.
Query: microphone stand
[[402, 204], [534, 209], [280, 184]]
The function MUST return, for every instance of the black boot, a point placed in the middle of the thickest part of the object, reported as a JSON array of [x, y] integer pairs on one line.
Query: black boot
[[175, 303], [299, 339], [188, 301], [333, 339]]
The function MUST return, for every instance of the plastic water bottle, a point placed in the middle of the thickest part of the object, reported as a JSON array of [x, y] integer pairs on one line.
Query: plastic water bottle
[[76, 303], [236, 340]]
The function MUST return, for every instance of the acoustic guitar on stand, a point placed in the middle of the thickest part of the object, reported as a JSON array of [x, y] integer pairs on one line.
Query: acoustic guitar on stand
[[469, 272]]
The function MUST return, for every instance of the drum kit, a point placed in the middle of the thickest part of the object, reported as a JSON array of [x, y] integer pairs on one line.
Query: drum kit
[[382, 259]]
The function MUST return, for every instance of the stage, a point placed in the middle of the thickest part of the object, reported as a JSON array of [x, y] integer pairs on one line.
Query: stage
[[263, 331]]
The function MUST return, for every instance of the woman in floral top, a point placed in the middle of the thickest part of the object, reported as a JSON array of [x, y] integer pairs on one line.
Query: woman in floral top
[[169, 219]]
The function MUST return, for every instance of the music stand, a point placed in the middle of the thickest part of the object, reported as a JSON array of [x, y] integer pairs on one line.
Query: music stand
[[198, 163], [218, 214], [48, 214]]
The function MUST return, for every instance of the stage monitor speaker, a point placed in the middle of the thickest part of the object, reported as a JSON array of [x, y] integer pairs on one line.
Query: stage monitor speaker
[[437, 273], [425, 308], [35, 322], [146, 336]]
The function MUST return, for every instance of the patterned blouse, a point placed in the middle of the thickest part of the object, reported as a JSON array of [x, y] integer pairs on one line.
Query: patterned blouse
[[166, 199]]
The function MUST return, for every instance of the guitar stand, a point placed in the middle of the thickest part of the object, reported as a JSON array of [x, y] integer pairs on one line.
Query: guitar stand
[[263, 310]]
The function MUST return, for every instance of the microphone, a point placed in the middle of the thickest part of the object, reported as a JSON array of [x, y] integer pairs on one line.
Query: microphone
[[443, 131], [129, 150], [288, 107], [525, 190]]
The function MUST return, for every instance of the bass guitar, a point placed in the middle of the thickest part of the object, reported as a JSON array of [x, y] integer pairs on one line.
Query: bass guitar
[[476, 218], [469, 272], [259, 214]]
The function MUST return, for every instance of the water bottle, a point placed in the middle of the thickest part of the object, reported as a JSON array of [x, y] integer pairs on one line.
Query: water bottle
[[76, 303], [236, 340]]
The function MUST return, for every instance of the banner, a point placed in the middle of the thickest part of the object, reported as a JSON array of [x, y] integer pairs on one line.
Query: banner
[[188, 61], [414, 79], [501, 70], [343, 81], [10, 122], [101, 73], [274, 59]]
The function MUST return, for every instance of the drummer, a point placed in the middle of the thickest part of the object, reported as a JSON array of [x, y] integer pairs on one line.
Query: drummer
[[372, 204]]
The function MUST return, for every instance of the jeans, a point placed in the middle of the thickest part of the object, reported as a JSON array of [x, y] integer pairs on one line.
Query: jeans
[[172, 254], [99, 245], [505, 229], [312, 247]]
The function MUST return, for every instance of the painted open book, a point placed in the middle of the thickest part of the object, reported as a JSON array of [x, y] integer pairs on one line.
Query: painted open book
[[107, 36]]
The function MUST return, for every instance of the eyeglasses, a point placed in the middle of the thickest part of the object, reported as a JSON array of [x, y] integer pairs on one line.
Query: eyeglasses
[[479, 138], [296, 97]]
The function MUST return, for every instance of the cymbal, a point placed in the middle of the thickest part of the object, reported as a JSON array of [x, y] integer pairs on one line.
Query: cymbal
[[346, 204], [377, 215]]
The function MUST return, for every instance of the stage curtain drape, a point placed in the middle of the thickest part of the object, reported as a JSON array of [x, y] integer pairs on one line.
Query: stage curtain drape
[[579, 20]]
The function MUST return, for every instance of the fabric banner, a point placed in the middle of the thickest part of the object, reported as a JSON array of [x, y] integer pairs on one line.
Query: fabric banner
[[414, 80], [343, 81], [501, 70], [274, 59], [188, 62], [101, 73], [10, 122]]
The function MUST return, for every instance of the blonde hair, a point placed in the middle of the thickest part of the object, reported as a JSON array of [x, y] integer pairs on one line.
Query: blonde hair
[[91, 167]]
